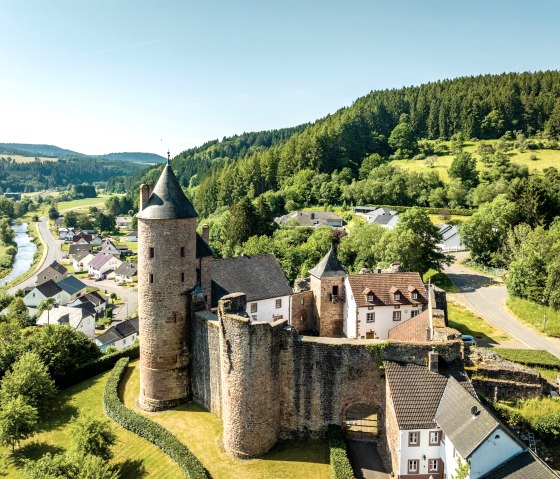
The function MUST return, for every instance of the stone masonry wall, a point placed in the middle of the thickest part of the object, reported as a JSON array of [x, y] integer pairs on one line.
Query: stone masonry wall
[[303, 319], [330, 313]]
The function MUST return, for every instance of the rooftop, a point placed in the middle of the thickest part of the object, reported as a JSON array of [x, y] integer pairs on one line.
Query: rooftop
[[329, 266], [383, 286], [71, 285], [49, 288], [118, 331]]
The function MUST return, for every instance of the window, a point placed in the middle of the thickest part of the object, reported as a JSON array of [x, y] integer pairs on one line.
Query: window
[[396, 315], [433, 465], [335, 290], [182, 251], [302, 301], [397, 296], [278, 303], [415, 295], [370, 298], [152, 253], [151, 278], [370, 317], [182, 277], [253, 307], [414, 438], [414, 312], [412, 466], [434, 438]]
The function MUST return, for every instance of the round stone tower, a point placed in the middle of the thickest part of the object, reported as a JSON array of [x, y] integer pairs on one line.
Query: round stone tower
[[166, 275]]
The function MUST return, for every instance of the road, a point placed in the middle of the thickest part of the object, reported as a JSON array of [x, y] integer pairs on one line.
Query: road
[[487, 297], [365, 460]]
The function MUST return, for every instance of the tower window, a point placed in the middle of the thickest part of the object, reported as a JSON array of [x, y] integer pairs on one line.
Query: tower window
[[151, 278], [152, 252], [182, 251], [182, 277], [335, 290]]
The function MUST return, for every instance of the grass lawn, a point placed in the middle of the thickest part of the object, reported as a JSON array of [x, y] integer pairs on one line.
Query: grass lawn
[[84, 203], [139, 458], [132, 245], [436, 219], [201, 432], [439, 278], [533, 313], [467, 322]]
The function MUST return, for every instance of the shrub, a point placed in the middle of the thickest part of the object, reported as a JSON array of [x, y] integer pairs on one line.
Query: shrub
[[340, 465], [548, 426], [148, 429]]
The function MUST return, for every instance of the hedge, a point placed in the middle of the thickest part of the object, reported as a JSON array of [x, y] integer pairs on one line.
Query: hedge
[[146, 428], [340, 465], [97, 366], [530, 357]]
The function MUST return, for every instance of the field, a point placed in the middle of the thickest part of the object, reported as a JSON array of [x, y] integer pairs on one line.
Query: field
[[469, 323], [534, 314], [201, 432], [82, 204], [26, 159], [139, 458], [544, 159]]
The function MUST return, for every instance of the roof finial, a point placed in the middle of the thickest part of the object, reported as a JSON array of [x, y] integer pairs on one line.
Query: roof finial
[[168, 156]]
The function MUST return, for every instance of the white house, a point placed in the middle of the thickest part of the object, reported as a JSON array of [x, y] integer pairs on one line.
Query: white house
[[81, 260], [434, 418], [124, 221], [109, 247], [126, 273], [96, 240], [72, 288], [385, 217], [93, 302], [78, 318], [132, 237], [260, 278], [120, 335], [102, 263], [451, 238], [377, 302], [311, 218], [48, 289]]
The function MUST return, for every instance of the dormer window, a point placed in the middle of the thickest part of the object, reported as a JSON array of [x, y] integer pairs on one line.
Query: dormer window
[[397, 296], [370, 298], [415, 295]]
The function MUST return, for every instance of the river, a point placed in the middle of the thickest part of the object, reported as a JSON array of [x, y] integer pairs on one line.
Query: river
[[25, 251]]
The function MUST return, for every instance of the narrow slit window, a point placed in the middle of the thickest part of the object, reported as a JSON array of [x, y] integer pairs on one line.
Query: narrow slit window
[[182, 251], [151, 278], [152, 252], [182, 277]]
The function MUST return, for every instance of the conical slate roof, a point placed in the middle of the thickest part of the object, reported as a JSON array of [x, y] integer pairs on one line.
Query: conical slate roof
[[167, 201], [328, 267]]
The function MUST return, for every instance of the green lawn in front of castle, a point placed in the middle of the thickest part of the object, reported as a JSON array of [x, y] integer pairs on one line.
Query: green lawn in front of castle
[[139, 458], [201, 432]]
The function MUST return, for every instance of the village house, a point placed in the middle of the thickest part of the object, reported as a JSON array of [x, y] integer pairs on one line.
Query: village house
[[46, 290], [121, 335], [260, 278], [93, 302], [96, 240], [66, 234], [131, 237], [74, 249], [81, 238], [311, 218], [102, 264], [81, 260], [54, 271], [107, 246], [77, 318], [126, 273], [377, 302], [385, 217], [72, 288], [124, 221], [451, 240]]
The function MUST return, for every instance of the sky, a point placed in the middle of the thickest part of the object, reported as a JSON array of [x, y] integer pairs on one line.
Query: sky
[[120, 75]]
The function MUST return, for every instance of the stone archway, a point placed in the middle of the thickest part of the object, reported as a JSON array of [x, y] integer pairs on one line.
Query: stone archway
[[362, 422]]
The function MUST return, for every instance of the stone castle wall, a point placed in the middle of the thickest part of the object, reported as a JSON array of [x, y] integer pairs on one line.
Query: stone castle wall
[[164, 319], [330, 313], [303, 319]]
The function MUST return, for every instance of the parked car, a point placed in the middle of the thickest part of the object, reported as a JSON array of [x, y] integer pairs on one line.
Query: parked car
[[468, 340]]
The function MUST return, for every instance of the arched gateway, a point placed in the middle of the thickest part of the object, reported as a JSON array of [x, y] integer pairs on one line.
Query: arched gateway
[[362, 421]]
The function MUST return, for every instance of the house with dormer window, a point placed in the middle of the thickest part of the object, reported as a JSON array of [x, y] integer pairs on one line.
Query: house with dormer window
[[378, 302]]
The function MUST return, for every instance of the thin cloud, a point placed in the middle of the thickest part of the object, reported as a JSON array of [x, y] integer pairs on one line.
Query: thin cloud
[[120, 49]]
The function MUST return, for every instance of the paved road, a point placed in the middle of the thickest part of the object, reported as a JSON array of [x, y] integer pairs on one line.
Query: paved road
[[487, 298], [365, 460]]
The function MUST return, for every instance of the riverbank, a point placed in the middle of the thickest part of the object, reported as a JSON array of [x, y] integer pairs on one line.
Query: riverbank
[[7, 256], [29, 251]]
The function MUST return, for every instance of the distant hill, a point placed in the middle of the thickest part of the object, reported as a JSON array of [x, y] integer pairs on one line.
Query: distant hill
[[135, 157]]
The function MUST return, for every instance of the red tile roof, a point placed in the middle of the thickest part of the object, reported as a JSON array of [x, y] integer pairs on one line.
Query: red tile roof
[[413, 330], [384, 285]]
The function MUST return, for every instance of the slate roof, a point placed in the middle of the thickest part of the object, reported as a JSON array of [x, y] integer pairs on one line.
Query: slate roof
[[259, 277], [416, 393], [413, 330], [76, 249], [202, 249], [57, 267], [83, 303], [309, 218], [329, 266], [167, 200], [100, 259], [380, 285], [71, 285], [49, 288], [81, 255], [523, 466], [96, 298], [465, 431], [119, 331], [127, 269]]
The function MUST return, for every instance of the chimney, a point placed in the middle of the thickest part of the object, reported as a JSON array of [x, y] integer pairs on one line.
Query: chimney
[[312, 216], [433, 359], [206, 233], [145, 192]]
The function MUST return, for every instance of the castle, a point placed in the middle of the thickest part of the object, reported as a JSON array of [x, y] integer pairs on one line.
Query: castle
[[266, 382]]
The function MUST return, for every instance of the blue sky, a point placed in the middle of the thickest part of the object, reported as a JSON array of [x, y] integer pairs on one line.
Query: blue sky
[[102, 76]]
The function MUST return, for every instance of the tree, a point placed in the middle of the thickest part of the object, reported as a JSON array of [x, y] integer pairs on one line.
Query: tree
[[18, 312], [105, 222], [357, 250], [492, 125], [28, 378], [17, 421], [462, 470], [402, 139], [242, 222], [12, 344], [71, 219], [370, 162], [69, 466], [553, 123], [93, 436], [46, 305], [463, 167], [53, 213]]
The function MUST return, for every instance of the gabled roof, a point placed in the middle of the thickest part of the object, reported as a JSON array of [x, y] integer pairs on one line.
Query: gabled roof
[[522, 466], [413, 330], [202, 249], [383, 286], [167, 200], [75, 249], [100, 259], [119, 331], [96, 298], [127, 269], [57, 267], [49, 288], [259, 277], [63, 315], [329, 266], [71, 285], [81, 255], [83, 303], [465, 430]]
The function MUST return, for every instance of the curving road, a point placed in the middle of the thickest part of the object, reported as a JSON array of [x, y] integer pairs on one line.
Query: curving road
[[487, 297]]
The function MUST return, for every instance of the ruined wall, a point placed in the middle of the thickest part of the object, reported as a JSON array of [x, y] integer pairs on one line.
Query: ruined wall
[[303, 319], [164, 278]]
